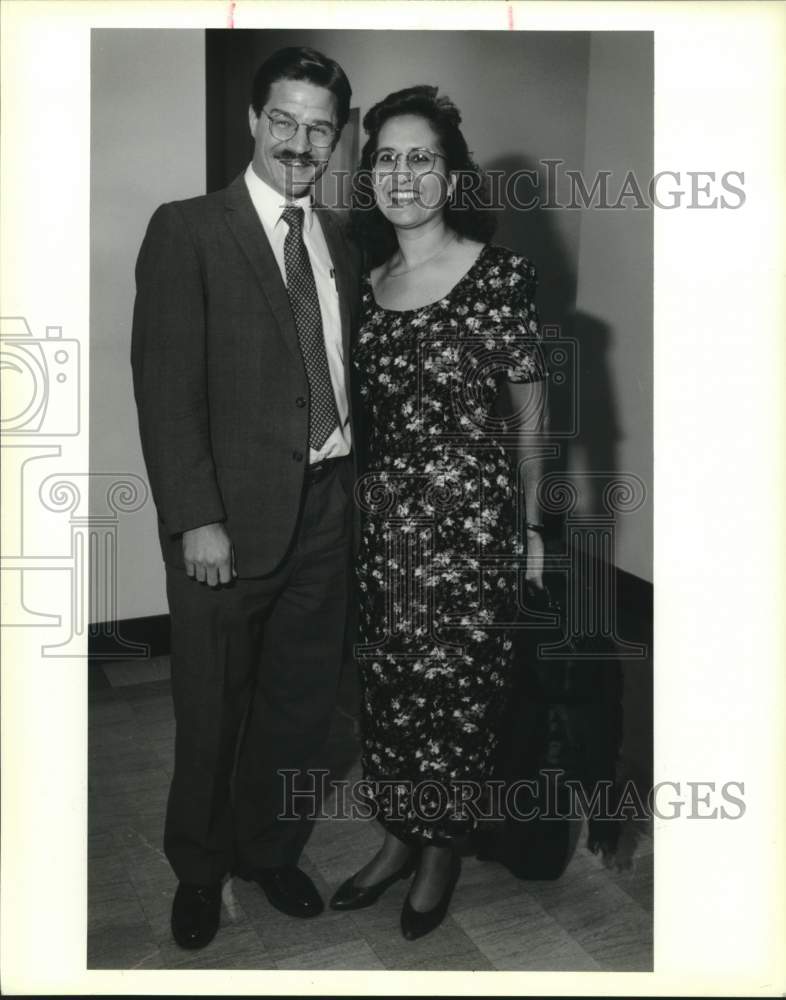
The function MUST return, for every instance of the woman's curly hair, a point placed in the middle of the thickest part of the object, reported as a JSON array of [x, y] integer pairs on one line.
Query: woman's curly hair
[[465, 212]]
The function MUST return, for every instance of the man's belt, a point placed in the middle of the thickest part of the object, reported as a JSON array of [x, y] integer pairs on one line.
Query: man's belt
[[319, 470]]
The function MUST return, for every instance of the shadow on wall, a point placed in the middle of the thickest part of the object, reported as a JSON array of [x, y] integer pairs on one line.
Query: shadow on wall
[[582, 397], [595, 446], [585, 421]]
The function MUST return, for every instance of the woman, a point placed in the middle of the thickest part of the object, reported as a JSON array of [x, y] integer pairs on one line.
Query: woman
[[448, 327]]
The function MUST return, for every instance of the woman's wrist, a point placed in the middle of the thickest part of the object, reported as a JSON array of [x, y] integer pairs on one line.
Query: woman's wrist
[[534, 527]]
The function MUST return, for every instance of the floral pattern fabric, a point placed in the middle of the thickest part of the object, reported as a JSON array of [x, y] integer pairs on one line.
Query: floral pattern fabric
[[440, 558]]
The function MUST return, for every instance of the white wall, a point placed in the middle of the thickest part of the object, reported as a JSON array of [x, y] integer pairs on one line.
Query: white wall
[[615, 287], [147, 147]]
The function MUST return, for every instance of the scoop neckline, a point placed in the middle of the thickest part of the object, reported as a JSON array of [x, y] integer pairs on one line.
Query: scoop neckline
[[428, 305]]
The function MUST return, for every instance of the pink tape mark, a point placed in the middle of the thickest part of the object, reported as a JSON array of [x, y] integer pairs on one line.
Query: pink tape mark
[[510, 17], [231, 17]]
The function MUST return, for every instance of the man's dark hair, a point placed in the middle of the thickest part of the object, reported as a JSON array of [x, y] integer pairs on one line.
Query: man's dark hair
[[301, 63], [465, 213]]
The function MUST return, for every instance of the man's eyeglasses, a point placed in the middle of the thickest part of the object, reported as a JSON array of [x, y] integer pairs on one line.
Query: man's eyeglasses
[[283, 126], [420, 160]]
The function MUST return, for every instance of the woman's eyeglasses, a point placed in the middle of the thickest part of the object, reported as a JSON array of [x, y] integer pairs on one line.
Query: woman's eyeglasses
[[283, 127], [420, 160]]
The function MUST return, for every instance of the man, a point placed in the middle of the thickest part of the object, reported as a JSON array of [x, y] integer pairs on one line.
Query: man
[[245, 303]]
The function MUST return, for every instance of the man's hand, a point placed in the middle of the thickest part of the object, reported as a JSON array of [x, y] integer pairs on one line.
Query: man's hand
[[208, 555]]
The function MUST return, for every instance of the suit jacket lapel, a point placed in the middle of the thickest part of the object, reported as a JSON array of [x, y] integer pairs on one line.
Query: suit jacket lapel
[[248, 231]]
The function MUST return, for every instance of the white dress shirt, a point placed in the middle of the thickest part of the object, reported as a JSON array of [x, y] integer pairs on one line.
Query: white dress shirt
[[269, 205]]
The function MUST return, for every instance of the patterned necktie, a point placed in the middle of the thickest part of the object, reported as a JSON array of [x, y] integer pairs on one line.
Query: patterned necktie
[[302, 291]]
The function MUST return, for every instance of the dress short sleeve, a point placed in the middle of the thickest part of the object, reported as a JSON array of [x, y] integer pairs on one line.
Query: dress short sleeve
[[520, 329]]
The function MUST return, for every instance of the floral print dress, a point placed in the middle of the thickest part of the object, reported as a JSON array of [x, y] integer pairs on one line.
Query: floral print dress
[[440, 562]]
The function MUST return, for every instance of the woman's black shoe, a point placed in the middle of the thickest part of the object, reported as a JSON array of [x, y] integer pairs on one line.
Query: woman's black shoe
[[415, 924], [349, 896]]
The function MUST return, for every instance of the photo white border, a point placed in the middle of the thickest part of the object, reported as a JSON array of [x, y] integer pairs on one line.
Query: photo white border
[[718, 491]]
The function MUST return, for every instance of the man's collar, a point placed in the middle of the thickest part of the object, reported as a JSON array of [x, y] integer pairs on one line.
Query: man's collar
[[270, 203]]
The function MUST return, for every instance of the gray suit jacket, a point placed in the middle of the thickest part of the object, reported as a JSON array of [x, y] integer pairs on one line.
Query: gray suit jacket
[[218, 374]]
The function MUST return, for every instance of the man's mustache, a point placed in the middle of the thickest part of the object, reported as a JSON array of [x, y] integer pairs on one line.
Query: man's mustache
[[302, 157]]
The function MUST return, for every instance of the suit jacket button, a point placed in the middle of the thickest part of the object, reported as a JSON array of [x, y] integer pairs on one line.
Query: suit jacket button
[[300, 401], [298, 456]]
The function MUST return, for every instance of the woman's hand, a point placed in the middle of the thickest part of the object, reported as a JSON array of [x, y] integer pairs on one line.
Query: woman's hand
[[536, 552]]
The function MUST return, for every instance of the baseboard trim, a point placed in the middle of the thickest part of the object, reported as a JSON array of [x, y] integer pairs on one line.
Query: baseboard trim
[[128, 639], [635, 603]]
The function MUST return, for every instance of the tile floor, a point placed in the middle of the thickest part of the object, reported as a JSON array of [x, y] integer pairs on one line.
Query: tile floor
[[592, 918]]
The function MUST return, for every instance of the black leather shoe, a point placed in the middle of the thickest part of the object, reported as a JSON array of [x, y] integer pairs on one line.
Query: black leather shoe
[[415, 924], [195, 914], [288, 889], [349, 896]]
